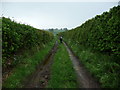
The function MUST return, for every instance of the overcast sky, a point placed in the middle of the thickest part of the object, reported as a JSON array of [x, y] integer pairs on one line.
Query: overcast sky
[[45, 15]]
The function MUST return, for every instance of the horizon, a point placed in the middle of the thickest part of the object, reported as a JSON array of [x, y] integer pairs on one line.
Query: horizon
[[47, 15]]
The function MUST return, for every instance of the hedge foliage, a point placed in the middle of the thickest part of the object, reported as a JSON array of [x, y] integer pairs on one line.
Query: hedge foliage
[[16, 36], [102, 32]]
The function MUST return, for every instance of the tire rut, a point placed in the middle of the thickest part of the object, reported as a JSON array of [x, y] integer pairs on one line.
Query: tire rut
[[84, 78], [40, 78]]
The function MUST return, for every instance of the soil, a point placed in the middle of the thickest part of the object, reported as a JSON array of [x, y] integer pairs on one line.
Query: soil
[[84, 78], [39, 79]]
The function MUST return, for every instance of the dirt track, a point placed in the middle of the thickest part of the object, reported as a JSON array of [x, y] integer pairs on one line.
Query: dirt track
[[40, 77], [84, 78]]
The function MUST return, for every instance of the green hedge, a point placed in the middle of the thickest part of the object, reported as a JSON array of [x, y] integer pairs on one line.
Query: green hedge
[[102, 33], [97, 43], [16, 36]]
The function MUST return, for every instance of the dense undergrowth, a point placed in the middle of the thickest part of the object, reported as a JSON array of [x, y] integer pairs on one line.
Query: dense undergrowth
[[97, 43], [62, 72], [17, 38]]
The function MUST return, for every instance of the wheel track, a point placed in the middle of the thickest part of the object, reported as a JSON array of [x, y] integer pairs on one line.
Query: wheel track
[[40, 77], [84, 78]]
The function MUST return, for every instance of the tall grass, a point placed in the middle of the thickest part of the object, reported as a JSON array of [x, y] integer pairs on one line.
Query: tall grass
[[63, 74], [100, 65], [26, 67]]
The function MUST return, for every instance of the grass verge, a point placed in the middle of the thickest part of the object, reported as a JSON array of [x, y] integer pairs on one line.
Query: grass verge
[[101, 66], [26, 67], [63, 74]]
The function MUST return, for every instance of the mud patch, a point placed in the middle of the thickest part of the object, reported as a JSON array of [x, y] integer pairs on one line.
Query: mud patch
[[40, 78]]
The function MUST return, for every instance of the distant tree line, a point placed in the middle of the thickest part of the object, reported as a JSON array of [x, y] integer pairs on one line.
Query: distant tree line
[[63, 29]]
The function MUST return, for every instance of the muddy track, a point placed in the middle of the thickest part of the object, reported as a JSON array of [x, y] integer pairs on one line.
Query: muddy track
[[84, 78], [39, 79]]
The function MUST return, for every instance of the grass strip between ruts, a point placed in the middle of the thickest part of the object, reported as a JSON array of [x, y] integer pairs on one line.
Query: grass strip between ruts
[[63, 74]]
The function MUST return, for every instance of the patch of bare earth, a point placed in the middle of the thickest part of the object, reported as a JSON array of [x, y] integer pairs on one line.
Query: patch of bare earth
[[84, 78], [40, 78]]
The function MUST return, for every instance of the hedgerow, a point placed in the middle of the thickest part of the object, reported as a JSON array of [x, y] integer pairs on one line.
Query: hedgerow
[[102, 32], [97, 43], [16, 36]]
